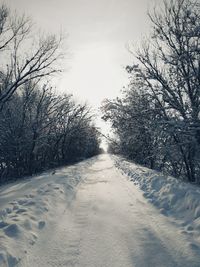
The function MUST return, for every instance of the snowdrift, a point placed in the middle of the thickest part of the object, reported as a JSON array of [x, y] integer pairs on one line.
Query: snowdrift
[[174, 198], [28, 206]]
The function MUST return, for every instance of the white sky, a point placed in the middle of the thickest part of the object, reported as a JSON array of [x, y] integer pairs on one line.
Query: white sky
[[99, 31]]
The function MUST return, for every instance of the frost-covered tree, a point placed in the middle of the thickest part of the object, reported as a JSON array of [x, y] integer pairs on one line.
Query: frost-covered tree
[[40, 129], [167, 70], [170, 66], [132, 117]]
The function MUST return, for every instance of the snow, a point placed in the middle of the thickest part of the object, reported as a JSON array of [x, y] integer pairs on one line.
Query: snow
[[26, 207], [92, 214], [174, 198]]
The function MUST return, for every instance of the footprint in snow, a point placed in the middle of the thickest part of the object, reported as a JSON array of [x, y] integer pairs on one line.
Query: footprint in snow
[[13, 230], [3, 224], [8, 260], [193, 246], [41, 224]]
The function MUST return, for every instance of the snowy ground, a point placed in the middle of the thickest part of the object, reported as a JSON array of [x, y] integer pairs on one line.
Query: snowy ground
[[92, 215], [178, 200]]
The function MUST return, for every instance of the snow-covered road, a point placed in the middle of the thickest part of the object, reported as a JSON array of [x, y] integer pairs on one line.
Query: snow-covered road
[[108, 223]]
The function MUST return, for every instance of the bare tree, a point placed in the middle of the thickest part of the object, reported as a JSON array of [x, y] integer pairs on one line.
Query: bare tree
[[25, 59], [39, 129], [166, 73]]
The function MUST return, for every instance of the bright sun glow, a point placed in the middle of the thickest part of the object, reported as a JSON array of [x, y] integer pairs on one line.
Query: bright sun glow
[[98, 34]]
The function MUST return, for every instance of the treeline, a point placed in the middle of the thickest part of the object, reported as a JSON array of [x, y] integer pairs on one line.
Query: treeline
[[156, 120], [39, 129]]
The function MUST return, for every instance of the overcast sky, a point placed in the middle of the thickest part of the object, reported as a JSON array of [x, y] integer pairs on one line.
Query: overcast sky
[[99, 31]]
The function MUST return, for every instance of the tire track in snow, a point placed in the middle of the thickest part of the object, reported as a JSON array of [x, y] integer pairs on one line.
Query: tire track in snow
[[158, 230], [110, 224]]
